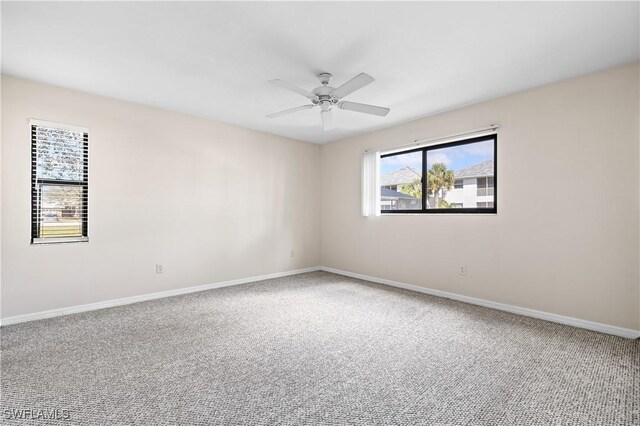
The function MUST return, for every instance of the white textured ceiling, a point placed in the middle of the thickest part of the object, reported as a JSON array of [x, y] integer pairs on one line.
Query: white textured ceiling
[[214, 59]]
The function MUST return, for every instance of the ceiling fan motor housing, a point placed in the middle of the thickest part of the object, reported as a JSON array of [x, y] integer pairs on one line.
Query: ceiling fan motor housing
[[324, 93]]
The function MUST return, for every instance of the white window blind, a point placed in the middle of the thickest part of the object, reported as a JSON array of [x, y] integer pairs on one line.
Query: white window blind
[[59, 183], [371, 183]]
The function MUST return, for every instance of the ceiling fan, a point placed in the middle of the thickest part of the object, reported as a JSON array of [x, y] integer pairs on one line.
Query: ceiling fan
[[326, 97]]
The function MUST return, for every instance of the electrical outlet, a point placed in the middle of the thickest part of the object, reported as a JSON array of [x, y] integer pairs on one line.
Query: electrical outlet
[[292, 254], [159, 268], [462, 270]]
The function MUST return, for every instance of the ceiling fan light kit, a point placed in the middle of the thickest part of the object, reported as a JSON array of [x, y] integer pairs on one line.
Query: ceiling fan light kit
[[326, 97]]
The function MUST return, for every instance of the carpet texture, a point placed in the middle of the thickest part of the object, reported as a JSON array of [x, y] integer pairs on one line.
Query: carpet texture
[[315, 349]]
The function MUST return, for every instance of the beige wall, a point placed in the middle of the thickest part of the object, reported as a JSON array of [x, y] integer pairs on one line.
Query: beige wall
[[209, 201], [213, 202], [565, 239]]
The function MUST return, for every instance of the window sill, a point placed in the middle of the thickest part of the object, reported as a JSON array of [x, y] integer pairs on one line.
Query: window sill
[[439, 214], [44, 241]]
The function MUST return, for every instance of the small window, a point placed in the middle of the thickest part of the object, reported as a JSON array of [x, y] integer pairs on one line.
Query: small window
[[485, 186], [484, 204], [59, 183], [426, 178]]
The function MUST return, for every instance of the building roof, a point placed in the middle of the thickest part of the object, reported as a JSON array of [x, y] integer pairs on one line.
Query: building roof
[[406, 174], [481, 169], [390, 193]]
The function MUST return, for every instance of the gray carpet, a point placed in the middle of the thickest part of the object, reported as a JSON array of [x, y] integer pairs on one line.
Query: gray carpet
[[316, 349]]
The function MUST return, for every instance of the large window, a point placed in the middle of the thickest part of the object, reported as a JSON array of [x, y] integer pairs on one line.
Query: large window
[[454, 177], [59, 183]]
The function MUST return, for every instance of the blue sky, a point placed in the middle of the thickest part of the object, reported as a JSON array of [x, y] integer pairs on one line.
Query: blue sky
[[455, 157]]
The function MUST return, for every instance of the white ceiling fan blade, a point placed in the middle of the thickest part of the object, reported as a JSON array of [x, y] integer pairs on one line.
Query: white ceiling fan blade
[[367, 109], [293, 88], [327, 119], [357, 82], [289, 111]]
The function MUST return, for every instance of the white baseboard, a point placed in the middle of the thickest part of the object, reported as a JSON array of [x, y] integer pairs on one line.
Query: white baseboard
[[144, 297], [561, 319], [589, 325]]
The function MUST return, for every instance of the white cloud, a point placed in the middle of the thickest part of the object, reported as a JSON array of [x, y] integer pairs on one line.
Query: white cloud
[[480, 148], [412, 159], [437, 157]]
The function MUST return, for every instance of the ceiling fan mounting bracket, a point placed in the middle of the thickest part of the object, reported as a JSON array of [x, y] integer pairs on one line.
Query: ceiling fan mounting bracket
[[324, 77]]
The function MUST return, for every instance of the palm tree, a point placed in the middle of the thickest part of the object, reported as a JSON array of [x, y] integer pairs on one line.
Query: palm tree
[[414, 188], [439, 178]]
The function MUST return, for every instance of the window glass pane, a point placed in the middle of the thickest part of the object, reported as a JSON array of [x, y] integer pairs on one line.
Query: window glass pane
[[482, 186], [490, 187], [404, 173], [60, 211], [446, 167], [60, 154]]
